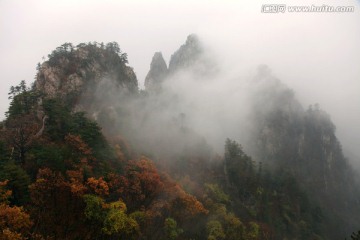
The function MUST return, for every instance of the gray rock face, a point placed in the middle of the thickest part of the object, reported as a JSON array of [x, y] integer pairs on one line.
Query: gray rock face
[[186, 55], [190, 58], [75, 75], [157, 74]]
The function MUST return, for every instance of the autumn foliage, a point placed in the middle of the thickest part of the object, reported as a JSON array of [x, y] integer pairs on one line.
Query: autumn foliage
[[15, 223]]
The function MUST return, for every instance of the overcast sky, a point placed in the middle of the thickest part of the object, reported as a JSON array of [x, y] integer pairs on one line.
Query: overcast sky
[[316, 54]]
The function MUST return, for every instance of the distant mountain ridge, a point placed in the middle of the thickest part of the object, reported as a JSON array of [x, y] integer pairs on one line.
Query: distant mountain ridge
[[304, 142]]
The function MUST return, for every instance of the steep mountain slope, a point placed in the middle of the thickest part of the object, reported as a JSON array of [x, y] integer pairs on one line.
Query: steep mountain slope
[[304, 143]]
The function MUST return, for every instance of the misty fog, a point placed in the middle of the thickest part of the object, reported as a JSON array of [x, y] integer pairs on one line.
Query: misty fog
[[315, 54]]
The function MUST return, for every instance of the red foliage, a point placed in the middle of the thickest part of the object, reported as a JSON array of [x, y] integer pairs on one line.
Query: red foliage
[[183, 205], [15, 223], [82, 151], [98, 186], [76, 178], [141, 183], [117, 185], [56, 206]]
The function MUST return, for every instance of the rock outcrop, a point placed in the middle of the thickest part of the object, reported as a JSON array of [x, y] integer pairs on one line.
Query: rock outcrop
[[191, 59], [74, 73], [158, 72], [187, 55]]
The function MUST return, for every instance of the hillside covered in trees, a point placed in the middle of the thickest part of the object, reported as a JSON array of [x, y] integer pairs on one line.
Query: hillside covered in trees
[[86, 154]]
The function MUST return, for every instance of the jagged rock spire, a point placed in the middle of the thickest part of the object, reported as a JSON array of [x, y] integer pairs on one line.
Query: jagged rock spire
[[156, 75], [187, 54]]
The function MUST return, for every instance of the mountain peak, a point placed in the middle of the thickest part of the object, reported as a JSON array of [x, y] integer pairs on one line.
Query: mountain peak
[[73, 73], [187, 54], [158, 71], [192, 39]]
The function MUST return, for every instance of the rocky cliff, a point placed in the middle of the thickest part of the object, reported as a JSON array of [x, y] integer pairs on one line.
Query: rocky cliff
[[187, 55], [158, 72], [192, 60], [73, 73]]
